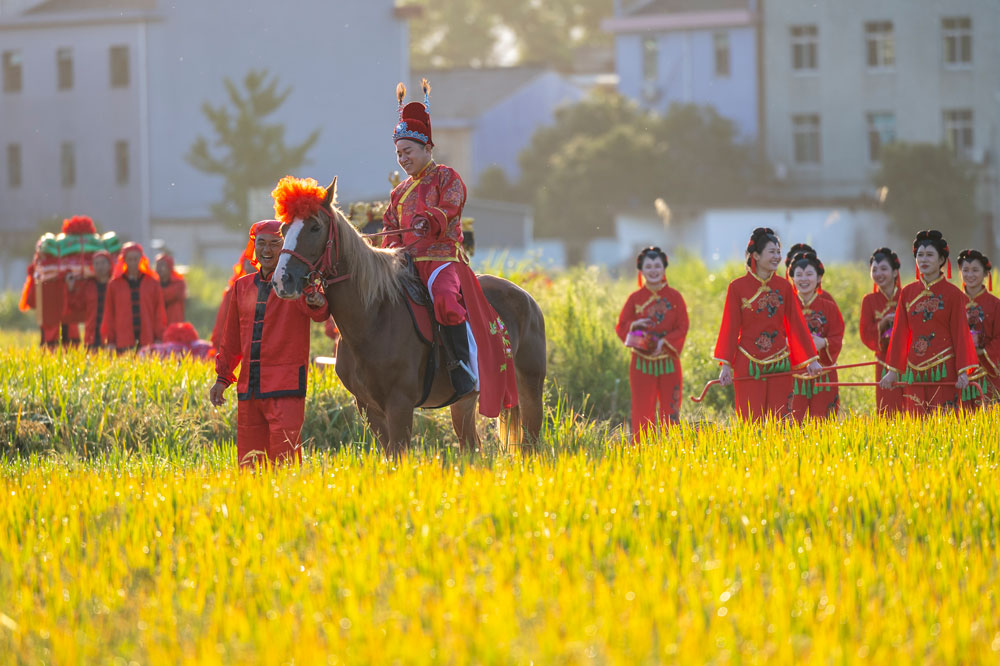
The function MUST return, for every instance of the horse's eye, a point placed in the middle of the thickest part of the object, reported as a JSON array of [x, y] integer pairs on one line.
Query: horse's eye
[[315, 227]]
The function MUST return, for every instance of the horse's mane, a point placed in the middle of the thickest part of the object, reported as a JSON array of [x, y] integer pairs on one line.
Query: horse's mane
[[377, 271]]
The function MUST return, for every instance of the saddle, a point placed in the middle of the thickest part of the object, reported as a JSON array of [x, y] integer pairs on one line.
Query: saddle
[[421, 308]]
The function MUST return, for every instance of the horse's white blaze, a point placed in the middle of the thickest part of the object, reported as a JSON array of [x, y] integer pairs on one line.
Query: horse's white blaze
[[291, 240]]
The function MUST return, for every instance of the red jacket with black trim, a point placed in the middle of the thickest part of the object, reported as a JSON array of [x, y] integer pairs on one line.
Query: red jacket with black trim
[[133, 306], [270, 336]]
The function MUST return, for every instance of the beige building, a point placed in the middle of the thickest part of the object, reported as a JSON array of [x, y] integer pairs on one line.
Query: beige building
[[844, 77]]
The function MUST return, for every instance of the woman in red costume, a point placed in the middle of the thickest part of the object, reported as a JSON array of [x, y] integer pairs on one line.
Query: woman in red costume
[[826, 325], [878, 310], [930, 340], [173, 286], [134, 315], [983, 313], [763, 333], [654, 324]]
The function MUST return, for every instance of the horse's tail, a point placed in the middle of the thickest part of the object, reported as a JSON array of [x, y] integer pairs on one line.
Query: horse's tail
[[509, 427]]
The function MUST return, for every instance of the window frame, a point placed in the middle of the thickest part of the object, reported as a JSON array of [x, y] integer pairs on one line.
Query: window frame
[[880, 39], [723, 67], [122, 155], [64, 67], [807, 136], [876, 140], [15, 166], [804, 40], [960, 123], [120, 70], [12, 64], [67, 165], [962, 36]]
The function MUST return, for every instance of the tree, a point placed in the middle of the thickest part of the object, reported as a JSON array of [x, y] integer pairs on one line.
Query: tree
[[927, 187], [604, 154], [456, 33], [252, 153]]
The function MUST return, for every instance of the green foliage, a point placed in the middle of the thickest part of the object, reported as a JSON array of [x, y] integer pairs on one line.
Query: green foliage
[[604, 154], [253, 152], [458, 33], [928, 188]]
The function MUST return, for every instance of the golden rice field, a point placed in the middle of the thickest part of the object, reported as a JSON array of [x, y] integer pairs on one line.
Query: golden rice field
[[128, 536]]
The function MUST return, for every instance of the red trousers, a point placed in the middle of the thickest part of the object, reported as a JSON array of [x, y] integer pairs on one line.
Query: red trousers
[[922, 400], [814, 401], [656, 399], [446, 291], [887, 402], [70, 334], [267, 430], [758, 398]]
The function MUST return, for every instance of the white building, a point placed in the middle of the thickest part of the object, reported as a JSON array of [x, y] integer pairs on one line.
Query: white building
[[845, 77], [101, 100]]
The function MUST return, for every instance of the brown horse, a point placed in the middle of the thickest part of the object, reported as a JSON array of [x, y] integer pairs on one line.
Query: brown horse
[[380, 358]]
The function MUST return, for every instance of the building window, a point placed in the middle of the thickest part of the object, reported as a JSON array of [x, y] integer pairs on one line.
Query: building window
[[881, 44], [805, 46], [64, 68], [805, 133], [11, 71], [957, 33], [119, 67], [958, 131], [721, 41], [67, 164], [650, 59], [13, 165], [881, 132], [121, 162]]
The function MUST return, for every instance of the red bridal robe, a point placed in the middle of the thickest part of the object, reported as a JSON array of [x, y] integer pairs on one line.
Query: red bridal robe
[[824, 321], [931, 343], [655, 379], [876, 336], [427, 212], [134, 315], [983, 313], [763, 333]]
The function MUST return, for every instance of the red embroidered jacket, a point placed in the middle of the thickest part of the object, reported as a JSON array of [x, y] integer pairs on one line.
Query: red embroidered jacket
[[874, 307], [930, 328], [427, 210], [763, 321], [271, 336], [983, 313], [131, 307], [824, 320], [668, 311]]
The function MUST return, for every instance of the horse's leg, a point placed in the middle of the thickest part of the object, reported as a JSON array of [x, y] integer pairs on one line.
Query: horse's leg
[[399, 421], [529, 364], [375, 420], [463, 418]]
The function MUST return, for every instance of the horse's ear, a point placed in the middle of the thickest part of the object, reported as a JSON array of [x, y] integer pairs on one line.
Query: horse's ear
[[331, 193]]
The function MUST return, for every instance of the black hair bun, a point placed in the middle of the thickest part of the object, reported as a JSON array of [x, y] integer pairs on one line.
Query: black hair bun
[[651, 252], [885, 254], [798, 248], [975, 255], [759, 239], [934, 238], [803, 259]]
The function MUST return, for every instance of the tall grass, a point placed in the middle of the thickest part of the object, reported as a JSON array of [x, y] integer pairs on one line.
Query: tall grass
[[870, 541]]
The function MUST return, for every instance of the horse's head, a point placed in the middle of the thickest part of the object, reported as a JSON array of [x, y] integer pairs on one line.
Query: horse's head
[[306, 251]]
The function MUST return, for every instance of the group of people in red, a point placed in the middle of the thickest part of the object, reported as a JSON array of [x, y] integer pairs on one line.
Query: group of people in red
[[937, 346], [121, 302]]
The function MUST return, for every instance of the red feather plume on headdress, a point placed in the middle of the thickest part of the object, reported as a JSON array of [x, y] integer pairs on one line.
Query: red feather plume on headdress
[[79, 224], [297, 198]]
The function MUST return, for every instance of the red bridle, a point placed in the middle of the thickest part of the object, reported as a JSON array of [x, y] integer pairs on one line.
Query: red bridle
[[324, 268]]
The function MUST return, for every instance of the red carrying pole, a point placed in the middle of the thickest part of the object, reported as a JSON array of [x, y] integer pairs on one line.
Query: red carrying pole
[[897, 384], [712, 383]]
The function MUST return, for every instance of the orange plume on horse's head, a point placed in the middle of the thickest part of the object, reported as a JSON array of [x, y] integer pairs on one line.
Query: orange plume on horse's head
[[299, 198]]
